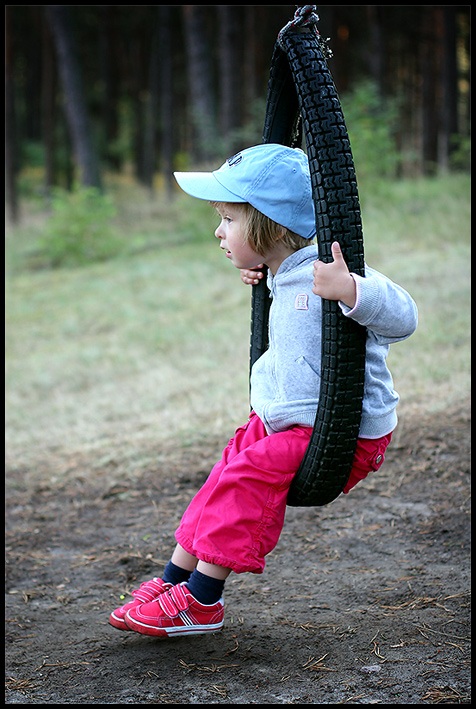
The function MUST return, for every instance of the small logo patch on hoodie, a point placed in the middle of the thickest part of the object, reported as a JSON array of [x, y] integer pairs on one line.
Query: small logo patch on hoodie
[[301, 302]]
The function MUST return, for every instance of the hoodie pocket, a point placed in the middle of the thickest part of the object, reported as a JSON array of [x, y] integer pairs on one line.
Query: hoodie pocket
[[303, 382]]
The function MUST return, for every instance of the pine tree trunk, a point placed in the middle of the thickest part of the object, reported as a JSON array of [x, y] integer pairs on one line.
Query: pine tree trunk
[[10, 131], [48, 106], [75, 107], [199, 82], [151, 108], [230, 104], [429, 68], [167, 105], [449, 81]]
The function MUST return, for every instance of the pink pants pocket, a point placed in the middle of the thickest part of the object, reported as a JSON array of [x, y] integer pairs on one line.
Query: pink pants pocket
[[369, 456]]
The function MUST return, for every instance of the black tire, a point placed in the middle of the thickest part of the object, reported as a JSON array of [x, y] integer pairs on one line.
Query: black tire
[[301, 89]]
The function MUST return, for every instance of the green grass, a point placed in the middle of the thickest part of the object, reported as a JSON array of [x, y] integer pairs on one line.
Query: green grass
[[418, 233], [112, 360]]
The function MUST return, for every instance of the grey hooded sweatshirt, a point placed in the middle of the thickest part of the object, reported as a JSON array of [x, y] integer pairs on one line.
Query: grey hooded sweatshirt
[[285, 380]]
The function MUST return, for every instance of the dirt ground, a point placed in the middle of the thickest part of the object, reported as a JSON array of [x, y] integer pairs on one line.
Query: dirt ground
[[364, 601]]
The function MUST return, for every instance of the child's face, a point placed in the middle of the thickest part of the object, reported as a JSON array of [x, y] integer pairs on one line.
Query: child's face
[[231, 233]]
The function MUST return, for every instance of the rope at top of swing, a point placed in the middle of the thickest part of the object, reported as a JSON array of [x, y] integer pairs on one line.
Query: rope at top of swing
[[305, 16]]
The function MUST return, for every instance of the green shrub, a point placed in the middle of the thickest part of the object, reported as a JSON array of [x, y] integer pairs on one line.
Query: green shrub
[[460, 156], [80, 229], [371, 122]]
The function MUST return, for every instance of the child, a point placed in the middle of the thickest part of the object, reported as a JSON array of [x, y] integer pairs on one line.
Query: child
[[263, 196]]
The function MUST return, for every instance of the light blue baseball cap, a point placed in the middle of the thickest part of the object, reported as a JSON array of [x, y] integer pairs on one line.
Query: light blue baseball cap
[[274, 179]]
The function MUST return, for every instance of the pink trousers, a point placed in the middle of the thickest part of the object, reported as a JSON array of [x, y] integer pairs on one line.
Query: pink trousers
[[236, 518]]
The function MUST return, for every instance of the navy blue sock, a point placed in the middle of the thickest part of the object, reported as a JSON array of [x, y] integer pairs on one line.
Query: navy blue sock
[[175, 574], [205, 589]]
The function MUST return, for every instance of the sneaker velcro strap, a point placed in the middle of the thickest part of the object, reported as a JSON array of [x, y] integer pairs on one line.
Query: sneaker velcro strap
[[149, 590], [174, 601]]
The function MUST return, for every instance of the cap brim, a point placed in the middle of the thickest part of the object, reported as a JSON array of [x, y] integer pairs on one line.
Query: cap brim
[[204, 185]]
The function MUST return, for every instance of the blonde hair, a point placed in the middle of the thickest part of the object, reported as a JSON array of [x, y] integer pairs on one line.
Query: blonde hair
[[262, 233]]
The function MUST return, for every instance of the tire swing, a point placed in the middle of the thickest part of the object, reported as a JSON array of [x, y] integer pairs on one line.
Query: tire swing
[[302, 99]]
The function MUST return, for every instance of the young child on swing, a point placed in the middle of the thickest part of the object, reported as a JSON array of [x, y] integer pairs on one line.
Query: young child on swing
[[263, 196]]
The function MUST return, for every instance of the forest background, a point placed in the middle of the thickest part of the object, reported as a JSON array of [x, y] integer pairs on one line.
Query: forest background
[[111, 89], [127, 352], [103, 102], [118, 303]]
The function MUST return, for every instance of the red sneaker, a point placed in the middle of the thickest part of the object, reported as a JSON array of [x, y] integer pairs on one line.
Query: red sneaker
[[146, 593], [174, 613]]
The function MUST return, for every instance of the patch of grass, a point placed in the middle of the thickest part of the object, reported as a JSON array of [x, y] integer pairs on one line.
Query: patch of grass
[[144, 348], [113, 359], [418, 233]]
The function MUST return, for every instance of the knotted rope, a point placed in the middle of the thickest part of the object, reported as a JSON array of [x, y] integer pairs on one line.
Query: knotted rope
[[306, 16]]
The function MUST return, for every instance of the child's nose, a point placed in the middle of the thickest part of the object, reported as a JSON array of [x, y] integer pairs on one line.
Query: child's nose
[[218, 232]]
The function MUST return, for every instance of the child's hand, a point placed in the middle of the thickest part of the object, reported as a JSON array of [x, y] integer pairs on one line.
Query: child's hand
[[333, 281], [250, 276]]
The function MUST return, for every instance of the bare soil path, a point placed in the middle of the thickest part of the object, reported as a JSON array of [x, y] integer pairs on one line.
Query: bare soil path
[[365, 601]]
